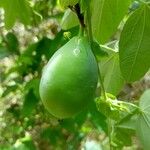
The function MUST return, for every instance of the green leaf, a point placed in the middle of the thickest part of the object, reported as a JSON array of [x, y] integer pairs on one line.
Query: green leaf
[[25, 143], [3, 52], [99, 53], [97, 118], [65, 3], [83, 5], [16, 10], [129, 118], [122, 137], [30, 103], [14, 109], [11, 47], [111, 74], [143, 124], [9, 89], [33, 84], [134, 45], [12, 43], [106, 16], [130, 123], [69, 20], [45, 46], [111, 107], [30, 60]]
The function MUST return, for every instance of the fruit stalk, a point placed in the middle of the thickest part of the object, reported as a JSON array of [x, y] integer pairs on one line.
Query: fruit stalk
[[80, 16]]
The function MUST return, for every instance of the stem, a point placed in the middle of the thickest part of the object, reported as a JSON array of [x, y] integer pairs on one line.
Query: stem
[[90, 36], [102, 85], [80, 16], [81, 31]]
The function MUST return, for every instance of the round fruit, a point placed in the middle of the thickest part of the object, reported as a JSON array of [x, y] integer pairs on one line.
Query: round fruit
[[69, 79]]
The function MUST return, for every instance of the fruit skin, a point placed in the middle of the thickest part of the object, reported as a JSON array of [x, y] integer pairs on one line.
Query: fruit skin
[[69, 79]]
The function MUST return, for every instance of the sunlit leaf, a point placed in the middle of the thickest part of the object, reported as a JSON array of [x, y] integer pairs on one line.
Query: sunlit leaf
[[69, 20], [111, 74], [134, 45], [143, 124], [30, 103], [106, 16], [4, 52], [12, 43], [65, 3], [16, 10]]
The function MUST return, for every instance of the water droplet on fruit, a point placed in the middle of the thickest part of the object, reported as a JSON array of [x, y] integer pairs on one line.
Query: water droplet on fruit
[[76, 51]]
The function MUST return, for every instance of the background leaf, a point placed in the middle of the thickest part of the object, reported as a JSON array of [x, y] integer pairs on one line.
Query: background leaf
[[143, 124], [16, 10], [134, 45], [9, 89], [106, 16], [122, 137], [69, 20], [111, 74], [12, 43], [65, 3], [30, 103], [3, 52]]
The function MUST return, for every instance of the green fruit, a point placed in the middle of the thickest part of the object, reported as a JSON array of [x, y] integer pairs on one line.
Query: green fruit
[[69, 79]]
